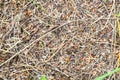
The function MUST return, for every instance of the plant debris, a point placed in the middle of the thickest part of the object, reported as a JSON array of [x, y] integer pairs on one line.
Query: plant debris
[[62, 39]]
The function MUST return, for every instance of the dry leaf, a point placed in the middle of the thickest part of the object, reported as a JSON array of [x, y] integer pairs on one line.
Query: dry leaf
[[68, 59], [118, 61], [29, 13]]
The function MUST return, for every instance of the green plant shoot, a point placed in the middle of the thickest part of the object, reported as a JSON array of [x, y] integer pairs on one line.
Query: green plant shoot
[[108, 74], [43, 78], [105, 1], [117, 15]]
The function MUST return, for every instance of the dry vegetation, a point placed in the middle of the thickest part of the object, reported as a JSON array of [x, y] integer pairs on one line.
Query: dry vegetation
[[62, 39]]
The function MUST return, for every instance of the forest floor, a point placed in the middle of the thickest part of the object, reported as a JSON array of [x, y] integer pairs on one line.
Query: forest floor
[[62, 39]]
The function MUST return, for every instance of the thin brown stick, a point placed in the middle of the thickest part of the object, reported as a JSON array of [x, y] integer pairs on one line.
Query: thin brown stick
[[53, 29]]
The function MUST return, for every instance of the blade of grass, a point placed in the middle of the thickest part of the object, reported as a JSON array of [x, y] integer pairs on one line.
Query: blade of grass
[[107, 74], [105, 1], [43, 77], [117, 15]]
